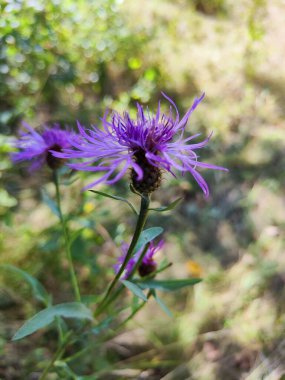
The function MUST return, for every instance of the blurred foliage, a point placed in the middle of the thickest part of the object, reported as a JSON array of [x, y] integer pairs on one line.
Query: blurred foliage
[[66, 60], [59, 55], [210, 7]]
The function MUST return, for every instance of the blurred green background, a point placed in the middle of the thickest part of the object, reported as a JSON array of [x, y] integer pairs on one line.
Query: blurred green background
[[62, 61]]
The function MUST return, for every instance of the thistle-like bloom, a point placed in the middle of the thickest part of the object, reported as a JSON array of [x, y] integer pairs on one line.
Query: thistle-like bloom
[[37, 147], [148, 264], [147, 145]]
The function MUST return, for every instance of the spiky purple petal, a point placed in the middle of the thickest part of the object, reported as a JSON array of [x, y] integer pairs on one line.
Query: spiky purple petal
[[149, 141]]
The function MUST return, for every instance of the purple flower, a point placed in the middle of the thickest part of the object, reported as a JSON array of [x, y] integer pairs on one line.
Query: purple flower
[[147, 145], [148, 264], [37, 147], [130, 265]]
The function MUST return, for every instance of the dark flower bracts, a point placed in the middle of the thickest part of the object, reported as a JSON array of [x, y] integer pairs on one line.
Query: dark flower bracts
[[148, 264]]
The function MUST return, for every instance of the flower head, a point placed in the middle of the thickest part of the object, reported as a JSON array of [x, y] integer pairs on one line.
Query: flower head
[[37, 147], [147, 145], [148, 264]]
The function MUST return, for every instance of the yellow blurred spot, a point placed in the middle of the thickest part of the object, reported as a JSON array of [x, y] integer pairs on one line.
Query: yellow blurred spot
[[87, 233], [134, 63], [150, 74], [194, 269], [88, 207]]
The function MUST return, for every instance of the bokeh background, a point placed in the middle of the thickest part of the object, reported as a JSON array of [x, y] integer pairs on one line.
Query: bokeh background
[[62, 61]]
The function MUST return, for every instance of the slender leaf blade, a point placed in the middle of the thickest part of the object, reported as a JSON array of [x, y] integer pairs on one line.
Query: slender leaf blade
[[90, 299], [45, 317], [147, 236], [39, 292], [171, 206], [168, 285], [102, 325], [135, 289], [116, 198], [162, 305]]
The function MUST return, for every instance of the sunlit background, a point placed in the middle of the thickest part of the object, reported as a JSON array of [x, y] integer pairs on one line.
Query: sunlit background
[[62, 61]]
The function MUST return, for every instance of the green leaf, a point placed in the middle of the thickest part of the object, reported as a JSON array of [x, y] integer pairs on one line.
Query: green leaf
[[64, 370], [135, 303], [50, 203], [39, 291], [162, 305], [171, 206], [90, 299], [147, 236], [102, 325], [168, 285], [135, 289], [45, 317], [116, 198], [133, 190]]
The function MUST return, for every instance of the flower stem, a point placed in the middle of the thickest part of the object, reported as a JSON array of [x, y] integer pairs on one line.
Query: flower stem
[[66, 239], [60, 332], [138, 263], [134, 312], [139, 227], [59, 352]]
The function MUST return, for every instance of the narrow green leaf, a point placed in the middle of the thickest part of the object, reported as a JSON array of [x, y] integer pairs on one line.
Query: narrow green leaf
[[90, 299], [64, 371], [135, 289], [171, 206], [102, 325], [38, 290], [116, 198], [135, 303], [147, 236], [133, 190], [45, 317], [162, 305], [168, 285], [50, 203]]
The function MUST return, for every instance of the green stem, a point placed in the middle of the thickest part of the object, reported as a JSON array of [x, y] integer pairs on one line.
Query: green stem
[[60, 332], [138, 263], [149, 294], [66, 239], [139, 227], [108, 301], [59, 352], [78, 354]]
